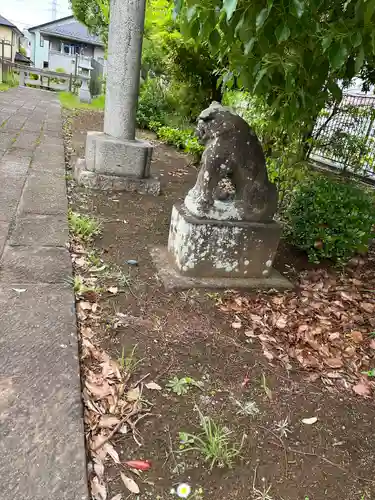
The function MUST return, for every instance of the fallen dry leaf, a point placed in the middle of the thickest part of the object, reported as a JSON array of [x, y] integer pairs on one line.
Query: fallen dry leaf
[[117, 497], [108, 421], [130, 484], [372, 343], [80, 262], [113, 290], [133, 394], [346, 296], [356, 336], [236, 325], [98, 489], [334, 362], [281, 322], [334, 336], [362, 389], [98, 467], [84, 306], [153, 386], [99, 391], [97, 441], [310, 421], [87, 332], [368, 307], [108, 448], [250, 334], [268, 354]]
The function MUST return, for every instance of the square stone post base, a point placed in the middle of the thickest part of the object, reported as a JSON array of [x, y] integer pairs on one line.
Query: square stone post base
[[118, 165], [219, 254]]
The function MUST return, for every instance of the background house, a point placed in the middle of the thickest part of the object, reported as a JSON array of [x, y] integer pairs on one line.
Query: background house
[[62, 43], [11, 35]]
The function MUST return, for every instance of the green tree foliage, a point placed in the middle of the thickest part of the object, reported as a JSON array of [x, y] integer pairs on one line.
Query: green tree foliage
[[293, 53], [93, 14]]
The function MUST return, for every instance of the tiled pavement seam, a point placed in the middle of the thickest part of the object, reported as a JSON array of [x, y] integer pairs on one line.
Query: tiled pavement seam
[[42, 454]]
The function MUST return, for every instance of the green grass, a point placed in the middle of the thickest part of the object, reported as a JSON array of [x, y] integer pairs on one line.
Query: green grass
[[83, 226], [78, 285], [4, 87], [71, 101], [213, 443], [129, 363]]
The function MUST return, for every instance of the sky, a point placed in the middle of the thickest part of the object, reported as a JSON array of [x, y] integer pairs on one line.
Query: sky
[[27, 13]]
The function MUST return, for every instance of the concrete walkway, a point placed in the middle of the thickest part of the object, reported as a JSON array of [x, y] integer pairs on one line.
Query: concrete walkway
[[42, 453]]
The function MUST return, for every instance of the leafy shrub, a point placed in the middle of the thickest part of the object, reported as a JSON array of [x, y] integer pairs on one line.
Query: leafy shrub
[[330, 219], [174, 136], [193, 147], [181, 138], [34, 76], [153, 104]]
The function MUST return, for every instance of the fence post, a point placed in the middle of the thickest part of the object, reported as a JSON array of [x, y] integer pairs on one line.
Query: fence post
[[2, 60], [22, 77], [71, 82]]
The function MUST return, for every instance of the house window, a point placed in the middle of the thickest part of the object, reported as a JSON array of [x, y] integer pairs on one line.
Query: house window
[[45, 64], [70, 49]]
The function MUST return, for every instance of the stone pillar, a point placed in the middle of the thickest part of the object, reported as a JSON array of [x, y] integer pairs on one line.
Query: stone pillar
[[22, 78], [124, 67], [115, 160]]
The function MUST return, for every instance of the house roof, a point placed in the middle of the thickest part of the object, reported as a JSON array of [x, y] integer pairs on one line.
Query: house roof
[[5, 22], [21, 58], [70, 31], [49, 23]]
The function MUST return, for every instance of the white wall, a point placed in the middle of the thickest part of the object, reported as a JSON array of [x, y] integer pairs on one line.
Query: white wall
[[99, 54], [58, 60]]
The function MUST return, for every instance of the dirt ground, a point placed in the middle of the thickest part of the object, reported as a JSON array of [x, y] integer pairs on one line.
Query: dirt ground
[[186, 334]]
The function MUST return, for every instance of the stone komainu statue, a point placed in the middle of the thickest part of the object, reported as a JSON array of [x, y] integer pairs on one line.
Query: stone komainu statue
[[232, 183]]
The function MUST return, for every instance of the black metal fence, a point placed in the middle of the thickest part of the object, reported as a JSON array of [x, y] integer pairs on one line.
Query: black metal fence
[[344, 136]]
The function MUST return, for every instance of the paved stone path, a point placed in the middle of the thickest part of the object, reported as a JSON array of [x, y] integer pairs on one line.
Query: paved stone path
[[42, 453]]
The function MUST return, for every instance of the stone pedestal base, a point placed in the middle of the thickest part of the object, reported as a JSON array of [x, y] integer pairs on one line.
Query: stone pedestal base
[[213, 248], [109, 156], [174, 280], [118, 165], [95, 180]]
